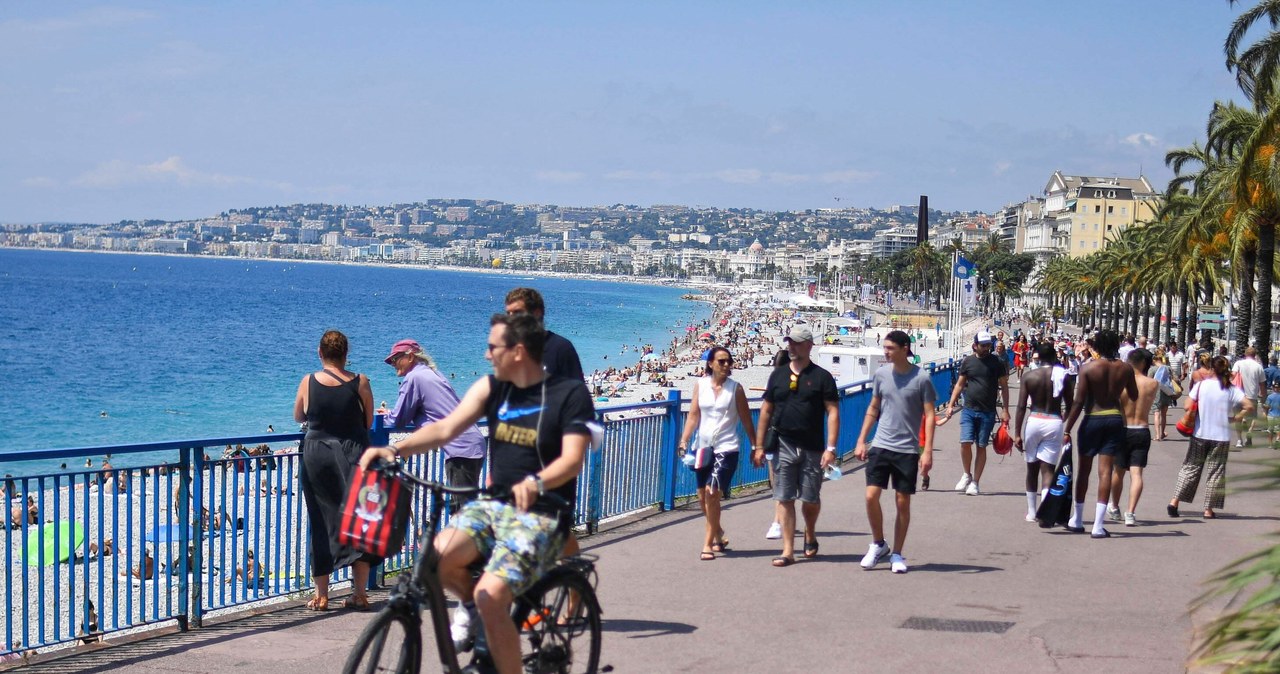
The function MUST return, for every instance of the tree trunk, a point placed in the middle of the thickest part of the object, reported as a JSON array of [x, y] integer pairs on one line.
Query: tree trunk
[[1146, 319], [1168, 313], [1206, 336], [1184, 302], [1266, 276], [1244, 297]]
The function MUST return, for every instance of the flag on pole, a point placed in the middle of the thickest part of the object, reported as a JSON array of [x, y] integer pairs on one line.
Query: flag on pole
[[969, 292], [963, 268]]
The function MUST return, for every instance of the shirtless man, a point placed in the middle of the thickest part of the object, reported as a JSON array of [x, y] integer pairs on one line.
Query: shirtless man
[[1102, 431], [1132, 456], [1041, 440]]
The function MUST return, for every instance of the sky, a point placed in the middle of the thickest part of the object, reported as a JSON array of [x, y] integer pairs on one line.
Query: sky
[[181, 110]]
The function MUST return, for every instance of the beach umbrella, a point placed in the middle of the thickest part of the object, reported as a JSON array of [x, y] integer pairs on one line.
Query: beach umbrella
[[69, 536], [168, 533], [651, 356], [705, 335]]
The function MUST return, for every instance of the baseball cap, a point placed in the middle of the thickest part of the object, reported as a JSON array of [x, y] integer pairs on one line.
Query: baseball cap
[[402, 346], [800, 333], [983, 337]]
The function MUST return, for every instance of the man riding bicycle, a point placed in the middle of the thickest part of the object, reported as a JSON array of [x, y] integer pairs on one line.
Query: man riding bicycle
[[538, 436]]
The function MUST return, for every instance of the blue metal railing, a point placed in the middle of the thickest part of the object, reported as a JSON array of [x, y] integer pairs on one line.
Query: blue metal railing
[[178, 535]]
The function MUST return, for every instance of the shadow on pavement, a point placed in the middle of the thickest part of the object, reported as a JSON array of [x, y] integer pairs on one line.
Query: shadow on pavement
[[650, 628], [954, 568]]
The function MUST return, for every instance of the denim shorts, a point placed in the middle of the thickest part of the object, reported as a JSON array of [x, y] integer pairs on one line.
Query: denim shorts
[[520, 546], [976, 426]]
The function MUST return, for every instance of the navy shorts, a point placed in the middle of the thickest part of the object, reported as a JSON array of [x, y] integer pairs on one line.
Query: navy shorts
[[718, 473], [901, 467], [1102, 434]]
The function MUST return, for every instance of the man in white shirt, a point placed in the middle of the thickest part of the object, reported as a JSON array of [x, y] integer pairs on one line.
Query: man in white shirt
[[1253, 381]]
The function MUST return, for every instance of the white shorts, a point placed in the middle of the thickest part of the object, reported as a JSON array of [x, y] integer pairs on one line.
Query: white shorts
[[1042, 438]]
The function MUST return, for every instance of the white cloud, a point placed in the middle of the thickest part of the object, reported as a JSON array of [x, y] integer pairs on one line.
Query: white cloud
[[1002, 166], [119, 173], [788, 178], [558, 176], [627, 174], [846, 176], [103, 17], [739, 176], [39, 182], [1141, 140]]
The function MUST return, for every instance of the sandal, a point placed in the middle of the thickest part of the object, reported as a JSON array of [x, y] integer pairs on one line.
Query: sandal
[[783, 561], [720, 546], [1172, 510], [356, 603], [1210, 515], [707, 555], [811, 548], [318, 604]]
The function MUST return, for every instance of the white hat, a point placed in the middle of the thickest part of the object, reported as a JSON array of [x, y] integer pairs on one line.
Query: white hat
[[983, 337]]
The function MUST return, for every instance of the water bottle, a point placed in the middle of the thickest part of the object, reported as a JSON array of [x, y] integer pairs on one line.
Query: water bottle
[[833, 472], [688, 459]]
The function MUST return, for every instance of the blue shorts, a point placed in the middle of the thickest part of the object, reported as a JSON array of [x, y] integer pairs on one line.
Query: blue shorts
[[976, 427], [1102, 434]]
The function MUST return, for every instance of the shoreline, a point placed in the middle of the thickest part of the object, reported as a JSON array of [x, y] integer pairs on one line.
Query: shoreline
[[660, 282]]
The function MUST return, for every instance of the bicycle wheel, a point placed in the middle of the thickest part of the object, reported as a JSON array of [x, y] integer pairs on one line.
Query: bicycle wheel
[[392, 642], [559, 621]]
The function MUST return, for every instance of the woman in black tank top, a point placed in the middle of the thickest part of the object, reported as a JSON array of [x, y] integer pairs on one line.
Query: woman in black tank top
[[338, 408]]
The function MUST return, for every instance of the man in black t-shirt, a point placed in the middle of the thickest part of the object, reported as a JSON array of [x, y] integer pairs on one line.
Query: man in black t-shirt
[[558, 355], [799, 395], [538, 439], [982, 375]]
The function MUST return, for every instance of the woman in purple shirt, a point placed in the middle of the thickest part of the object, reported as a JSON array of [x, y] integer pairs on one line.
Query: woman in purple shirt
[[426, 397]]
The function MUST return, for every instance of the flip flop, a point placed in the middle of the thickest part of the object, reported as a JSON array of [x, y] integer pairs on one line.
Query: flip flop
[[721, 546], [707, 556], [356, 603], [811, 548], [318, 604], [783, 561]]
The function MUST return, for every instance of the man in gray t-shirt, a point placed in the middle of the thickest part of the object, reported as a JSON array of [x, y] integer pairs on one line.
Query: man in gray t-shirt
[[902, 398]]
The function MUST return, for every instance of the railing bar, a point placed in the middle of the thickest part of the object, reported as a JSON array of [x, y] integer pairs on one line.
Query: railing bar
[[128, 536]]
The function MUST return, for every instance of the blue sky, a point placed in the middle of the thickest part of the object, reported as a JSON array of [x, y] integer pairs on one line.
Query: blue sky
[[182, 110]]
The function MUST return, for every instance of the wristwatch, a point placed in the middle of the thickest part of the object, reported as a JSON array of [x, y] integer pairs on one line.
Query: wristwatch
[[537, 481], [832, 449], [395, 449]]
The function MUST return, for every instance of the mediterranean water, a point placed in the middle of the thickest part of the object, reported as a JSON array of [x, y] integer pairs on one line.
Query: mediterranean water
[[109, 349]]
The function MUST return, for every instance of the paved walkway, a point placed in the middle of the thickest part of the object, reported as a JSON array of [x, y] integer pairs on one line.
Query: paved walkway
[[1073, 604]]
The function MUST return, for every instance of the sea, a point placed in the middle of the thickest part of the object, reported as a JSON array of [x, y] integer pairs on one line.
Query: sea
[[106, 349]]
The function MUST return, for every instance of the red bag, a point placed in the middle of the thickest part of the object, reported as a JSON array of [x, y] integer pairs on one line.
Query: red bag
[[1003, 443], [1187, 424], [375, 517]]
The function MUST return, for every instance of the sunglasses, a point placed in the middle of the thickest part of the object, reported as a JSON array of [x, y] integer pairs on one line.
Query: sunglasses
[[723, 361], [795, 378]]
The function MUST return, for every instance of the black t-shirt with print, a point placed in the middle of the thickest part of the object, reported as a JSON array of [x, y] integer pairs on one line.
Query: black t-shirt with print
[[800, 414], [513, 415]]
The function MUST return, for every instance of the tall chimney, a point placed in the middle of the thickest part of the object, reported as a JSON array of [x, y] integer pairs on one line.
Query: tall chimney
[[922, 223]]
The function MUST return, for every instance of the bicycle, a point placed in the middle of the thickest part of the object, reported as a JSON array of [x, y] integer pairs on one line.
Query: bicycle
[[556, 618]]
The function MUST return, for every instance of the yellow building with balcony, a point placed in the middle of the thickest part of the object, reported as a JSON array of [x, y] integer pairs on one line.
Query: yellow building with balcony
[[1089, 209]]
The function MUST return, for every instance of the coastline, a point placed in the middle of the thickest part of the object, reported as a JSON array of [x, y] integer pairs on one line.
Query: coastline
[[663, 282]]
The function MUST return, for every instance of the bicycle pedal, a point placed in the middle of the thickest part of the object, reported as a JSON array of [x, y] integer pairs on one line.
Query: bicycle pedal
[[533, 620]]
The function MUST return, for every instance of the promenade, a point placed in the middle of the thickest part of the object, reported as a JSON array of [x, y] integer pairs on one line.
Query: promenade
[[1031, 600]]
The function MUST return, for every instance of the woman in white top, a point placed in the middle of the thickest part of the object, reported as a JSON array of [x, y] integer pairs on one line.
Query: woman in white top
[[718, 406], [1216, 401]]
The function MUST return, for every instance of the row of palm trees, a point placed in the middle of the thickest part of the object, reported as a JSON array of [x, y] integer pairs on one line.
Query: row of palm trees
[[927, 268], [1216, 229], [1215, 232]]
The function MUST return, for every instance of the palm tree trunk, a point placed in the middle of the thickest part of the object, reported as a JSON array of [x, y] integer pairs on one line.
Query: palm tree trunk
[[1168, 313], [1146, 318], [1244, 297], [1184, 303], [1266, 276]]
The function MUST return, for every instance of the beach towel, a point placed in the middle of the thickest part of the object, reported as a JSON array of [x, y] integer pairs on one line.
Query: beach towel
[[1055, 509]]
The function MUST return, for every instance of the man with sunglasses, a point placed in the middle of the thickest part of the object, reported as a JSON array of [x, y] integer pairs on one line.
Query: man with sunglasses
[[539, 433], [799, 395]]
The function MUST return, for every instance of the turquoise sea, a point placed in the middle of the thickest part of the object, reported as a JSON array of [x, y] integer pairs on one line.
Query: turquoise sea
[[177, 347]]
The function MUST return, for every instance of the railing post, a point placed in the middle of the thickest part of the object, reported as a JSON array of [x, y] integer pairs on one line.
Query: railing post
[[184, 539], [667, 452], [379, 436], [595, 482], [196, 479]]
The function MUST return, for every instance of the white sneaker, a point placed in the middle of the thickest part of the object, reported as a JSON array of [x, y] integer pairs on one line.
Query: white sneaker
[[964, 482], [1031, 517], [898, 564], [972, 489], [1130, 520], [775, 532], [462, 628], [875, 555], [1239, 444], [1113, 514]]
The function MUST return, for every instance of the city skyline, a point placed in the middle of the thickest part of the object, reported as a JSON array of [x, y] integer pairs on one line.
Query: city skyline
[[145, 110]]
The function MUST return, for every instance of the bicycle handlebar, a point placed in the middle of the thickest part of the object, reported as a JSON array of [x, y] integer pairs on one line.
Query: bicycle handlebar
[[499, 492]]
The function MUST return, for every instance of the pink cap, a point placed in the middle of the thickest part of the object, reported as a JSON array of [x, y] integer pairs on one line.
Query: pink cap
[[402, 346]]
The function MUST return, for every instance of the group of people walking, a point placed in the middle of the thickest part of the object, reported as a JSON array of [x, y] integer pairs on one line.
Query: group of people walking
[[1112, 397]]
